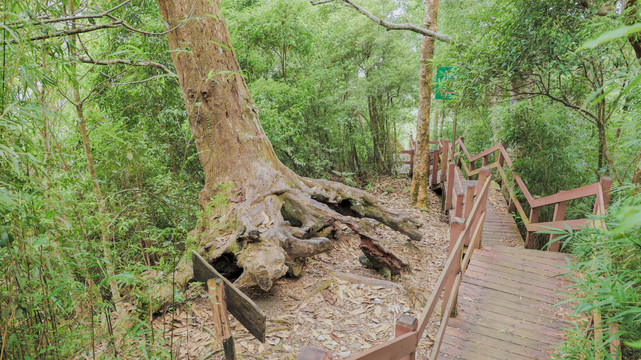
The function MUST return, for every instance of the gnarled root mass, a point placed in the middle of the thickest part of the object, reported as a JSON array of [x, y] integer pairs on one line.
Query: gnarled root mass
[[297, 218]]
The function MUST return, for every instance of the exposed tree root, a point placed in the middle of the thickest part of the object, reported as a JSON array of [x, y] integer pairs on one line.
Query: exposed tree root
[[278, 228]]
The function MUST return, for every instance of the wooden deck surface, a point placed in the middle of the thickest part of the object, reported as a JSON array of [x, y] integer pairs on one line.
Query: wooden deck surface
[[507, 296]]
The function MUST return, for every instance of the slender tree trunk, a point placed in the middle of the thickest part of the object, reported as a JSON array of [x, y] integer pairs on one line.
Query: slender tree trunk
[[422, 159], [252, 205], [440, 129], [636, 177], [102, 211], [602, 144], [454, 125]]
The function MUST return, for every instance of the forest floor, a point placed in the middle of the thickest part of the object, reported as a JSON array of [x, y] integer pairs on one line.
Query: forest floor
[[336, 304]]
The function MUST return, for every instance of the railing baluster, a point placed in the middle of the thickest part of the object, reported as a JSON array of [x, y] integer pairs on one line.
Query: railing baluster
[[559, 215], [529, 238], [469, 200], [451, 179]]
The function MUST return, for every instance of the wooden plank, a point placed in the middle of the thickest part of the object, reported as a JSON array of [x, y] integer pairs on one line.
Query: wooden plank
[[520, 264], [453, 348], [573, 224], [505, 335], [510, 302], [525, 279], [520, 313], [581, 192], [517, 288], [560, 258], [487, 339], [221, 318], [523, 333], [507, 289], [238, 304], [525, 256], [391, 349]]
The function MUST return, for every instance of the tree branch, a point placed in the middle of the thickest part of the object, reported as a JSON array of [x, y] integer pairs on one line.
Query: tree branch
[[89, 60], [70, 32], [45, 20], [388, 25]]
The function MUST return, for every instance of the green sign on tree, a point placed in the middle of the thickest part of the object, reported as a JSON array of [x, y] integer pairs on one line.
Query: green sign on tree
[[444, 74]]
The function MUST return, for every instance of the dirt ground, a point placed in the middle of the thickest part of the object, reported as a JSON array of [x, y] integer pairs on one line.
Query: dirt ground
[[335, 304]]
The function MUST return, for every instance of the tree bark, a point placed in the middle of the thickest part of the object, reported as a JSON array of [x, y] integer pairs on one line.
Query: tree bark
[[631, 17], [422, 166], [252, 205], [636, 177]]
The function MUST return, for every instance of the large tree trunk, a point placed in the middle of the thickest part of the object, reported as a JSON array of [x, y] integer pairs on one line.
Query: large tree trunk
[[422, 159], [252, 204]]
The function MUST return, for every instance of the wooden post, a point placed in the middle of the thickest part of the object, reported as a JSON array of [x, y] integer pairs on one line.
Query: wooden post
[[445, 160], [457, 224], [448, 289], [450, 186], [559, 215], [483, 174], [615, 344], [486, 160], [458, 211], [598, 331], [471, 169], [435, 166], [483, 208], [529, 238], [406, 324], [469, 200], [606, 185], [221, 319], [311, 353]]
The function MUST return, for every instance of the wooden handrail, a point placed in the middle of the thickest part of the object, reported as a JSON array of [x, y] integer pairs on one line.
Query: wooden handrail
[[601, 189], [486, 152], [580, 192], [447, 284]]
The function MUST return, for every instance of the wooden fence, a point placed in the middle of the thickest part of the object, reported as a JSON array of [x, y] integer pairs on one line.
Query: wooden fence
[[470, 208], [464, 238], [513, 183]]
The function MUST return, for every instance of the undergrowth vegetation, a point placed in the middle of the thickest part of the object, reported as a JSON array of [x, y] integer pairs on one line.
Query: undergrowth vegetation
[[606, 274]]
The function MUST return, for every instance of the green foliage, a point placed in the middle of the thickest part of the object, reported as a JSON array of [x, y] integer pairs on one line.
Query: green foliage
[[606, 274], [315, 71]]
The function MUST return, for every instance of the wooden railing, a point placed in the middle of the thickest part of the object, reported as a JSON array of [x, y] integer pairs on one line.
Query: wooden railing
[[464, 238], [458, 153], [603, 336], [470, 209]]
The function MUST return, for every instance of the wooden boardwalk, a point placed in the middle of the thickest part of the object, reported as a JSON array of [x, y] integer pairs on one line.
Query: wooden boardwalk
[[507, 296]]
